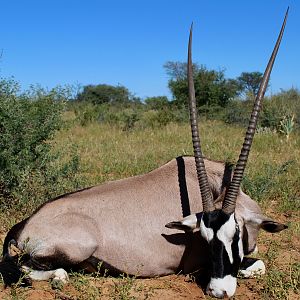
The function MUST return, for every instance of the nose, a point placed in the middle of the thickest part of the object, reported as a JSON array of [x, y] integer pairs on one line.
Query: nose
[[217, 294]]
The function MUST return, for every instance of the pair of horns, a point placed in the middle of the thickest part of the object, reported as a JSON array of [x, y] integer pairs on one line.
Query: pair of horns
[[229, 202]]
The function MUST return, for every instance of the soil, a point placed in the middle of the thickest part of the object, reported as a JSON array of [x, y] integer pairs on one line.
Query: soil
[[167, 288]]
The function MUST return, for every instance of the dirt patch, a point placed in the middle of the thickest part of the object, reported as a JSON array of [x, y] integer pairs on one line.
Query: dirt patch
[[166, 288]]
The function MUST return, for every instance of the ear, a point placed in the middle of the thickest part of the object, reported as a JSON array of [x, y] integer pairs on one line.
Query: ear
[[272, 226], [188, 223]]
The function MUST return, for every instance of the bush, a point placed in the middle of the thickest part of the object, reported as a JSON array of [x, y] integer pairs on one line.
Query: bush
[[87, 113], [285, 104], [28, 123], [238, 112], [275, 110], [127, 119], [162, 117], [211, 112], [158, 112], [104, 93], [128, 116], [157, 103]]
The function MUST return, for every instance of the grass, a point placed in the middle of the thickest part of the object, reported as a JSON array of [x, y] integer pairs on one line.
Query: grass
[[108, 153], [283, 282], [272, 178]]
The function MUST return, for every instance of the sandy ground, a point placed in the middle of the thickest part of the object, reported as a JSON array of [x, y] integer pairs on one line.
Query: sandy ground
[[169, 287]]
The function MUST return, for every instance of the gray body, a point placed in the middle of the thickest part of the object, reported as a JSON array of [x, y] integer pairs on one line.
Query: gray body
[[123, 222]]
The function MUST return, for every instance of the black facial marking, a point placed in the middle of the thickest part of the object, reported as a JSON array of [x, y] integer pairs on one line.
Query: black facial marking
[[220, 262], [246, 241], [215, 219], [235, 254]]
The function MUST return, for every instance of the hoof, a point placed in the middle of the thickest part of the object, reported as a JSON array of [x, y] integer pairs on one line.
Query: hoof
[[257, 268], [61, 275]]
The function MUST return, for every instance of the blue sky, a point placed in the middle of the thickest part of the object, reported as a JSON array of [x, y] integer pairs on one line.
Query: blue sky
[[127, 42]]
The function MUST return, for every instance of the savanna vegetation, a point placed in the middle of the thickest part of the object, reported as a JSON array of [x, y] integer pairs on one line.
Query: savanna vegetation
[[56, 141]]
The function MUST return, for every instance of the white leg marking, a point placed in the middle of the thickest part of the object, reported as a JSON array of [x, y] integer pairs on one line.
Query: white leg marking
[[58, 274], [257, 269], [219, 286]]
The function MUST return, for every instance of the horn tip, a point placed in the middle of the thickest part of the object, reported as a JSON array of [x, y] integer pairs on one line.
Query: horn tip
[[286, 13], [191, 27]]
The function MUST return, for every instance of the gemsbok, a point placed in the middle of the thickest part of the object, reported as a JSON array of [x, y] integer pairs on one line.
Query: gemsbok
[[126, 225]]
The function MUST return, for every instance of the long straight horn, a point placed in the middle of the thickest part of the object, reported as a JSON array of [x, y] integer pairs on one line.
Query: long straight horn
[[231, 195], [206, 194]]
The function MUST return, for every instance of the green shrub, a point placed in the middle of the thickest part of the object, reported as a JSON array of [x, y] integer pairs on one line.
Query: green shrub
[[162, 117], [287, 125], [275, 109], [120, 115], [155, 118], [287, 103], [237, 112], [28, 123], [212, 112], [86, 113], [129, 116], [157, 103], [128, 119]]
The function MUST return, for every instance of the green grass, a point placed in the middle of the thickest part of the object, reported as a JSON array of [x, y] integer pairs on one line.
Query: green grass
[[108, 153]]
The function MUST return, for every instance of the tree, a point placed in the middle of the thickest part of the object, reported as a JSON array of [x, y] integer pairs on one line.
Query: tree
[[103, 93], [211, 87], [249, 82], [177, 70]]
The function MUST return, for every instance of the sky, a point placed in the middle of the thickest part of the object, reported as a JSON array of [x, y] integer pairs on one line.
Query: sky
[[115, 42]]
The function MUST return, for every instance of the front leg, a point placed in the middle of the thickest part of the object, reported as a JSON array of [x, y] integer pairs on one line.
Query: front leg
[[252, 267], [57, 275]]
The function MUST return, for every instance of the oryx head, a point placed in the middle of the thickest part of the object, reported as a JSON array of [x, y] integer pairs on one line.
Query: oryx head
[[220, 227]]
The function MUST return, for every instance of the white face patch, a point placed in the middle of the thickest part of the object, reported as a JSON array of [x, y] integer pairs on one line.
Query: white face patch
[[207, 233], [256, 269], [226, 233], [219, 286]]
